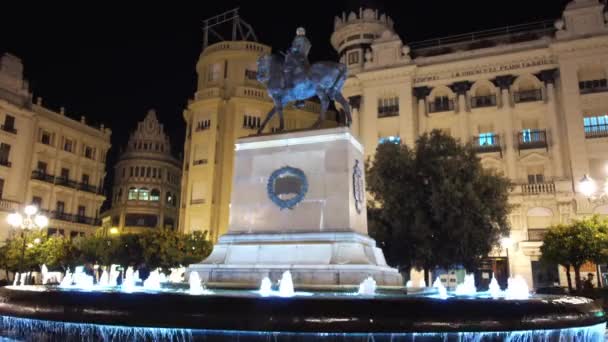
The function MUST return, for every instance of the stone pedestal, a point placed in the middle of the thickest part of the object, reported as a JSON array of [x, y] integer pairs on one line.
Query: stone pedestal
[[298, 204]]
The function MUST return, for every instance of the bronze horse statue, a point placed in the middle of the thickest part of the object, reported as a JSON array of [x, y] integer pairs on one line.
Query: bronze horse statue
[[322, 79]]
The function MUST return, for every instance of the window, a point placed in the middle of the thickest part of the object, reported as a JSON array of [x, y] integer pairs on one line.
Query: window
[[85, 179], [82, 211], [536, 174], [65, 173], [251, 75], [119, 197], [353, 57], [155, 195], [390, 139], [214, 71], [441, 104], [124, 170], [45, 138], [160, 173], [1, 187], [37, 201], [486, 139], [170, 199], [5, 150], [144, 194], [388, 107], [131, 171], [41, 167], [149, 172], [593, 86], [60, 207], [154, 173], [137, 171], [141, 220], [68, 145], [252, 122], [88, 152], [132, 194], [9, 124], [596, 126], [203, 124]]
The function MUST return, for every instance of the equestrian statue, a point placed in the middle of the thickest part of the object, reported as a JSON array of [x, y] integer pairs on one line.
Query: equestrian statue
[[295, 80]]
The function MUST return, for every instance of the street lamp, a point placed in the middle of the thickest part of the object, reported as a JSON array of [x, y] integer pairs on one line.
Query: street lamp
[[30, 221], [507, 242]]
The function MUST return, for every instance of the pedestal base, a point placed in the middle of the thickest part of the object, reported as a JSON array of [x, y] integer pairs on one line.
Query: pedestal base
[[315, 260]]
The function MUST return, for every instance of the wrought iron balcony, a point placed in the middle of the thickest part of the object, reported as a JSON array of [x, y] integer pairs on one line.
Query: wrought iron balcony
[[483, 101], [62, 181], [443, 106], [538, 188], [5, 162], [528, 96], [596, 131], [388, 111], [487, 143], [593, 86], [61, 216], [529, 139], [10, 129], [43, 176], [537, 234]]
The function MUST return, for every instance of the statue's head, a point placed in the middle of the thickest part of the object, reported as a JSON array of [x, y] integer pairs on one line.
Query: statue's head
[[264, 67]]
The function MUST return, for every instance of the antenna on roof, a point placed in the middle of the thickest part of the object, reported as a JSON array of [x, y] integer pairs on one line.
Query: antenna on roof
[[240, 29]]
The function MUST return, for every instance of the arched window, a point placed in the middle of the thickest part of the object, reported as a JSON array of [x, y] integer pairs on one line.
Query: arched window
[[137, 171], [132, 194], [149, 172], [144, 194], [170, 198], [483, 97], [155, 195], [119, 194]]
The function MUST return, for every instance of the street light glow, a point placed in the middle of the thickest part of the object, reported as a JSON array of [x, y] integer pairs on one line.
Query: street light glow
[[41, 221], [506, 242], [113, 230], [30, 210], [587, 186], [14, 219]]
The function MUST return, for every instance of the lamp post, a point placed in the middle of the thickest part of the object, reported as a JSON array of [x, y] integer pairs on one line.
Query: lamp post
[[29, 221], [507, 242]]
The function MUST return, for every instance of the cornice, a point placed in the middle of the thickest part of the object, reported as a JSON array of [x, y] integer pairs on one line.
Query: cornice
[[395, 74]]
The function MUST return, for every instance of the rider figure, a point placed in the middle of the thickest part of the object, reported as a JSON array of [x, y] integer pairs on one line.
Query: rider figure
[[296, 61]]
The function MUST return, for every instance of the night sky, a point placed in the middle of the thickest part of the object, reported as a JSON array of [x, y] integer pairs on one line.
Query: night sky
[[113, 63]]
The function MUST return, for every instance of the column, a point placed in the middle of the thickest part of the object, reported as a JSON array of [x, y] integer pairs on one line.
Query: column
[[506, 121], [369, 120], [421, 93], [548, 76], [461, 89], [355, 105], [407, 123]]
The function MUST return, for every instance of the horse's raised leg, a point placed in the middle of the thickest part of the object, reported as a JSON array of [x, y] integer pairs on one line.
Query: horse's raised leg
[[324, 105], [268, 117], [344, 103]]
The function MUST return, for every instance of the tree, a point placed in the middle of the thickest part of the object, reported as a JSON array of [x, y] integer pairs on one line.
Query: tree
[[574, 244], [435, 204], [194, 247]]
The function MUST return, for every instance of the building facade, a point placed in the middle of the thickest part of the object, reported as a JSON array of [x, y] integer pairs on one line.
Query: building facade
[[48, 159], [532, 99], [229, 103], [146, 188]]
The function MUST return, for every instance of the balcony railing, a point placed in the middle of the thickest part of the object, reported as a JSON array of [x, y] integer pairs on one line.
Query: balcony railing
[[388, 111], [538, 188], [5, 162], [528, 96], [537, 234], [483, 101], [10, 129], [596, 131], [61, 216], [487, 143], [444, 106], [593, 86], [62, 181], [529, 139]]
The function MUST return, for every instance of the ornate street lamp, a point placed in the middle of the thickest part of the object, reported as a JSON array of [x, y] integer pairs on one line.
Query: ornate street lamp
[[589, 189], [32, 220]]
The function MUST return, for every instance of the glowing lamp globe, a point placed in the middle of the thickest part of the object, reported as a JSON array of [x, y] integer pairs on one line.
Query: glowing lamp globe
[[30, 210], [14, 219], [41, 221], [587, 186], [506, 242]]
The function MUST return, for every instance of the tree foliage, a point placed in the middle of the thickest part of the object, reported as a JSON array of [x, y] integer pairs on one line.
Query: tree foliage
[[434, 204], [574, 244]]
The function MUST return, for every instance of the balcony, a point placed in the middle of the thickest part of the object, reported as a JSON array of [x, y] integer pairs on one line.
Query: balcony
[[7, 128], [593, 86], [43, 176], [483, 101], [61, 216], [528, 96], [388, 111], [5, 162], [538, 188], [530, 139], [536, 234], [596, 131], [443, 106], [487, 143], [62, 181]]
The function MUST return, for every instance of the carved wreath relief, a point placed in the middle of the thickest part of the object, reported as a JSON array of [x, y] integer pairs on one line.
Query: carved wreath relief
[[287, 187]]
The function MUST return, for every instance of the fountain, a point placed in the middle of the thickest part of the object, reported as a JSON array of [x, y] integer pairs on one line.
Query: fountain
[[494, 289], [114, 274], [367, 287], [104, 280], [467, 288], [266, 287], [286, 285], [196, 287], [517, 288], [422, 283], [16, 280], [409, 284], [442, 291], [153, 281]]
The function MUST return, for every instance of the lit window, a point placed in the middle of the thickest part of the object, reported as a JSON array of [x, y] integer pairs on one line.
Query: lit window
[[388, 107], [486, 139], [155, 195], [132, 194], [144, 194], [526, 135], [596, 123], [390, 139]]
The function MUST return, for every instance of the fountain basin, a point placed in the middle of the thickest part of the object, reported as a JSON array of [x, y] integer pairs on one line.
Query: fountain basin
[[240, 311]]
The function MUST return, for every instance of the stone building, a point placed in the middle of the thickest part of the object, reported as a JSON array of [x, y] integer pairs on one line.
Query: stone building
[[533, 100], [48, 159], [229, 103], [146, 188]]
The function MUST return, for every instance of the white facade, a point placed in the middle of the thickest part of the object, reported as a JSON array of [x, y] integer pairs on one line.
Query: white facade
[[533, 100]]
